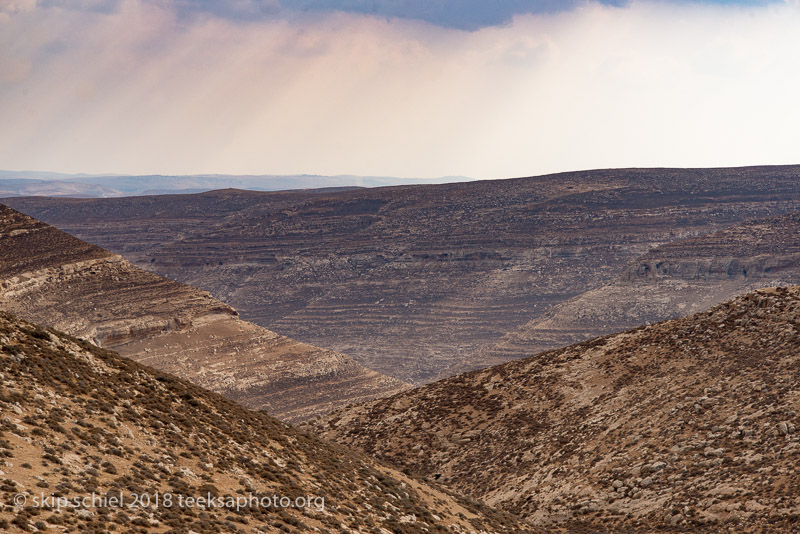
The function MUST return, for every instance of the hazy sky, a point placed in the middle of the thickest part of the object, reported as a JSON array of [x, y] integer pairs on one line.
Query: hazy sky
[[416, 88]]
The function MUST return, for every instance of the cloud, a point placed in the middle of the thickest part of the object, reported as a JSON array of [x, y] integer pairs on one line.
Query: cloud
[[234, 9], [461, 14], [458, 14], [143, 87]]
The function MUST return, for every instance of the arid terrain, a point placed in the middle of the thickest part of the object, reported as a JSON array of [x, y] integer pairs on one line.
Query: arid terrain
[[690, 423], [79, 421], [678, 278], [681, 417], [59, 281], [423, 282], [399, 267]]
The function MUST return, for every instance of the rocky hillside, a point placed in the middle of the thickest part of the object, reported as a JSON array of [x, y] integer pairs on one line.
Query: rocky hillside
[[672, 280], [409, 279], [86, 434], [57, 280], [690, 424]]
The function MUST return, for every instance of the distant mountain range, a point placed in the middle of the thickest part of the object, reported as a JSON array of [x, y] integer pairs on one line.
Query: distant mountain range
[[51, 184]]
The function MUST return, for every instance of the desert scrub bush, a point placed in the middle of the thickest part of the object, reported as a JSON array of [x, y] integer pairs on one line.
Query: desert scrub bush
[[14, 349], [109, 468], [52, 458], [36, 333], [208, 488], [21, 523]]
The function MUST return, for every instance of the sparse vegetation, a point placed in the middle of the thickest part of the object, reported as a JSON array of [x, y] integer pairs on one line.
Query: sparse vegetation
[[87, 421], [690, 424]]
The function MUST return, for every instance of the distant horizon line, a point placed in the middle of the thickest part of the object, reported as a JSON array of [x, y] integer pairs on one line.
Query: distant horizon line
[[378, 176], [218, 174]]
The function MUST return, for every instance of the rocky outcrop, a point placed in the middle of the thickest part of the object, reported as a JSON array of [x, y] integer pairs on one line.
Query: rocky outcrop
[[116, 446], [756, 249], [416, 281], [675, 279], [689, 424], [712, 268], [54, 279]]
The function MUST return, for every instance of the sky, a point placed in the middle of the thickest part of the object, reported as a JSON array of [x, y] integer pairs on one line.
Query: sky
[[408, 88]]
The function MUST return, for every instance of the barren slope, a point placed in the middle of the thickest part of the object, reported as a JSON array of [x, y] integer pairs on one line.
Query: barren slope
[[409, 279], [689, 423], [675, 279], [79, 421], [55, 279]]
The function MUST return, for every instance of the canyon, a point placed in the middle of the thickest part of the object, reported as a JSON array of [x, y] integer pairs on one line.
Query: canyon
[[56, 280], [424, 282]]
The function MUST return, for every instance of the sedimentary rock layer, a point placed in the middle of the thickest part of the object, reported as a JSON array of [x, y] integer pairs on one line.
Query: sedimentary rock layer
[[57, 280], [411, 280], [675, 279]]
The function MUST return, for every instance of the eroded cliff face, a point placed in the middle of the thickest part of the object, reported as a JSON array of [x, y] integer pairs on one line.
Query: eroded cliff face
[[755, 249], [54, 279], [410, 280], [691, 424], [674, 279]]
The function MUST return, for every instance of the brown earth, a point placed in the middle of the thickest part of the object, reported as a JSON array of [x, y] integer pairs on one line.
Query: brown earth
[[77, 420], [690, 424], [410, 280], [57, 280]]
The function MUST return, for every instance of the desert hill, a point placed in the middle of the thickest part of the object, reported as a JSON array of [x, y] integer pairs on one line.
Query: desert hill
[[57, 280], [33, 183], [688, 424], [672, 280], [408, 280], [78, 420]]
